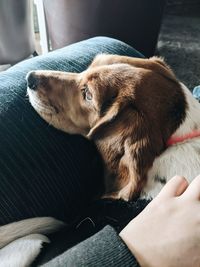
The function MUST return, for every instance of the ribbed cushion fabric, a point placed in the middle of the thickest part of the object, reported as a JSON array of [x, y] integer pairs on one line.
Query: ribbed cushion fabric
[[44, 172]]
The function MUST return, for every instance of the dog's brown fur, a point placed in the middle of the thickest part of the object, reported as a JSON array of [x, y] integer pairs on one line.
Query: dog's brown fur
[[128, 106]]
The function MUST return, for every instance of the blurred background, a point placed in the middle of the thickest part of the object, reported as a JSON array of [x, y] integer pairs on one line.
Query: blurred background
[[168, 28], [179, 39]]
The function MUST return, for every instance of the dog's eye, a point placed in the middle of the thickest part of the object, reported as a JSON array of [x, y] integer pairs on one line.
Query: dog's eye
[[86, 94]]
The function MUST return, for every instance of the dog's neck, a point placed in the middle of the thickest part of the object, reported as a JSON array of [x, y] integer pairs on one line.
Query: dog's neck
[[179, 139], [190, 128]]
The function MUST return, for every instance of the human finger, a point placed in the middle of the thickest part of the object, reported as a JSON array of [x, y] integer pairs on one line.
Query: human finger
[[174, 187], [193, 190]]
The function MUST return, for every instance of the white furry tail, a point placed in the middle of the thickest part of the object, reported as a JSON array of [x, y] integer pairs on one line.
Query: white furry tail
[[39, 225]]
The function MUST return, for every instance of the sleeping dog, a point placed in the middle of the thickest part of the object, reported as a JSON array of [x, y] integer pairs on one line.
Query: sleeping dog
[[144, 122]]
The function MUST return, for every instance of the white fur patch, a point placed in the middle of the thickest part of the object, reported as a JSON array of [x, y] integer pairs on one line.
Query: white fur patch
[[38, 104], [39, 225], [181, 159], [192, 119], [22, 252]]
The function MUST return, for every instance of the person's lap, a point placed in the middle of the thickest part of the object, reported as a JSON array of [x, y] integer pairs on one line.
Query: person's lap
[[44, 172]]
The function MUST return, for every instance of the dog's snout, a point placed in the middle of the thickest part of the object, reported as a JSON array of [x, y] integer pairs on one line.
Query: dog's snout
[[32, 80]]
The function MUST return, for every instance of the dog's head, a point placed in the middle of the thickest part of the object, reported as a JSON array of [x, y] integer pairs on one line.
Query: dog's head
[[128, 106]]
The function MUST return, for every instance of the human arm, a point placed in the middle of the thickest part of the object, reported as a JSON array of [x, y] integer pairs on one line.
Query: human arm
[[102, 249]]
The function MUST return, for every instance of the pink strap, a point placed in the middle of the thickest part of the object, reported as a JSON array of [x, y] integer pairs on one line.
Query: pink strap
[[179, 139]]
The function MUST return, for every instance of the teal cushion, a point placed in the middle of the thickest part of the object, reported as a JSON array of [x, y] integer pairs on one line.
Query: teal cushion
[[42, 170]]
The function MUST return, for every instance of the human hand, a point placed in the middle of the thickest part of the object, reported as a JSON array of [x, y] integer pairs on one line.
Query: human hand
[[167, 232]]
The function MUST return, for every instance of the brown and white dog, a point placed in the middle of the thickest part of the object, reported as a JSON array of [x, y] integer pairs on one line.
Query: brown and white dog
[[134, 110], [145, 123]]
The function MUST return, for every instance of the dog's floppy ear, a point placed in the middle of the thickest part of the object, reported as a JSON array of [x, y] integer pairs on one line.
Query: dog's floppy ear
[[106, 119], [141, 148], [136, 148]]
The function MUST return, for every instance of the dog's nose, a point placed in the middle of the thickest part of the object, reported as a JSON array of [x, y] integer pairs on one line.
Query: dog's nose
[[32, 80]]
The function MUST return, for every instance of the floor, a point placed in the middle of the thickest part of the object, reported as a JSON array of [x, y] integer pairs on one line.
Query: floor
[[179, 42]]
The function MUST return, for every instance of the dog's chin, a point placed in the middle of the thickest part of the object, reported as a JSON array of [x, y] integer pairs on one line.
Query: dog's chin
[[42, 108], [51, 116]]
